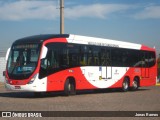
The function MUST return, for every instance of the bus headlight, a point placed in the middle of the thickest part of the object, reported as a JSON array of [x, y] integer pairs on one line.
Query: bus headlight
[[32, 79]]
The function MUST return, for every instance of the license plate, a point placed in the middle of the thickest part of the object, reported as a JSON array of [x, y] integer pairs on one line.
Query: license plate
[[17, 87]]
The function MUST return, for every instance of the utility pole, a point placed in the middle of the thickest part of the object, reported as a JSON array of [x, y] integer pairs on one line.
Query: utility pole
[[61, 16]]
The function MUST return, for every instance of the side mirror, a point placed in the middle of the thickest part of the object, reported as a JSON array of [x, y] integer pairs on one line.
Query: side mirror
[[7, 54], [44, 52], [4, 73]]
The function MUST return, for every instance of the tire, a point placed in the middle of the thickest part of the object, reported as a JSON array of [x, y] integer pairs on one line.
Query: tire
[[69, 87], [135, 84], [125, 85]]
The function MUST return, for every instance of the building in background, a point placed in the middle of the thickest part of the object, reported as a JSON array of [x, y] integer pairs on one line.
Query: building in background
[[2, 64]]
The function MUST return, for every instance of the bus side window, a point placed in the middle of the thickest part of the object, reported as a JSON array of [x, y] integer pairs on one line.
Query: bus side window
[[143, 61], [150, 59], [83, 55], [103, 57]]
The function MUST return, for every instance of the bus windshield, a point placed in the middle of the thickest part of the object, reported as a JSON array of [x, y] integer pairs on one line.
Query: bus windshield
[[22, 60]]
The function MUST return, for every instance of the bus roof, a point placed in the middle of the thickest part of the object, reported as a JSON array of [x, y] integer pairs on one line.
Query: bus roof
[[71, 38], [40, 38], [107, 42]]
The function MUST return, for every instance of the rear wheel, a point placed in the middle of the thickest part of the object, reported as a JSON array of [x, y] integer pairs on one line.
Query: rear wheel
[[125, 84], [69, 88], [135, 84]]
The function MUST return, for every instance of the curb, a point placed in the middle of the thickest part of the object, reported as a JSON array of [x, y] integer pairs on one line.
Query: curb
[[158, 84]]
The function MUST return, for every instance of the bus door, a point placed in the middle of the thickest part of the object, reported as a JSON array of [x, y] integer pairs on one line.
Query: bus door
[[144, 67], [106, 62], [108, 65]]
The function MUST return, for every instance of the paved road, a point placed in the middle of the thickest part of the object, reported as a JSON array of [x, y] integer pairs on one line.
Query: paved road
[[145, 99]]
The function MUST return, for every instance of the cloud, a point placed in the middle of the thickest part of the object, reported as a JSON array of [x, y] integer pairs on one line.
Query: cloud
[[47, 10], [94, 10], [149, 12], [22, 10]]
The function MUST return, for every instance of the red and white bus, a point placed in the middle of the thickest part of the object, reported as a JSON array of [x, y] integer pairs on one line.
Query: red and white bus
[[68, 63]]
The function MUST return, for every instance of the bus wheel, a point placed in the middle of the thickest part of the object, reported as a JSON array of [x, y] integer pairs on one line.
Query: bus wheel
[[135, 84], [125, 85], [69, 88]]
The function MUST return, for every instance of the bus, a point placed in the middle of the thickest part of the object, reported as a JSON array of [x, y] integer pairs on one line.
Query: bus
[[68, 63]]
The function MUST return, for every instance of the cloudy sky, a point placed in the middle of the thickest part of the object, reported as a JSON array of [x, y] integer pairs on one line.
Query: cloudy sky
[[135, 21]]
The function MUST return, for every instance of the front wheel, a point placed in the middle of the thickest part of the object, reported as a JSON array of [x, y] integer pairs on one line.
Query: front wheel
[[125, 85], [69, 88]]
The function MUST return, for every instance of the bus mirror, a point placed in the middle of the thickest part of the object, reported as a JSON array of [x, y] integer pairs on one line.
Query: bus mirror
[[7, 54], [4, 73], [44, 52]]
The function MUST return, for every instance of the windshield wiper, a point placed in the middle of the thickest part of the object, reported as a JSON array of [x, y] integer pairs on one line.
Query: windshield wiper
[[13, 68]]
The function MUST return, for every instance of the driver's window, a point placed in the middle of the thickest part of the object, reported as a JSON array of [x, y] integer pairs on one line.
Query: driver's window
[[46, 62], [51, 63]]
